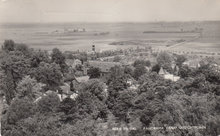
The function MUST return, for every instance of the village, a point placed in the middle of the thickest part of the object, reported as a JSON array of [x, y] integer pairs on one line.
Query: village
[[106, 86], [79, 63]]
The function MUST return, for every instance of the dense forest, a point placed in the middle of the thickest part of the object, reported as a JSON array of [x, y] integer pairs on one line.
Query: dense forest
[[26, 74]]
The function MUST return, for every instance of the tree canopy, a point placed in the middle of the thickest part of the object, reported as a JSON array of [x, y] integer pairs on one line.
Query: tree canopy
[[94, 72]]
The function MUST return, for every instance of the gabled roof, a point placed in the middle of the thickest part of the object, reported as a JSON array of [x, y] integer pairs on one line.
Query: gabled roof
[[162, 72]]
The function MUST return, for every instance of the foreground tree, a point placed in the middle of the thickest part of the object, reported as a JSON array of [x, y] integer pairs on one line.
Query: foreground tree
[[142, 62], [156, 68], [185, 71], [165, 60], [49, 74], [9, 45], [90, 103], [48, 103], [19, 109], [38, 57], [117, 59], [29, 88], [123, 105], [180, 59], [14, 66], [94, 72], [139, 71], [24, 49], [58, 57]]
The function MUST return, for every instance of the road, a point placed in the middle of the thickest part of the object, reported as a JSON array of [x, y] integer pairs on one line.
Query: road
[[177, 44]]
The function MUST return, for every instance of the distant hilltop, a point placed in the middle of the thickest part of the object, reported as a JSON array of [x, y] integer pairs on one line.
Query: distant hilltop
[[196, 30]]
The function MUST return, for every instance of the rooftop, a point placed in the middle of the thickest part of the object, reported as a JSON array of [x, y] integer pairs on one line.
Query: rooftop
[[82, 79]]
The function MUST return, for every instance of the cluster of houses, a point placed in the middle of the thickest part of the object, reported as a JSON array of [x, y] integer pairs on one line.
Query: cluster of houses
[[105, 65]]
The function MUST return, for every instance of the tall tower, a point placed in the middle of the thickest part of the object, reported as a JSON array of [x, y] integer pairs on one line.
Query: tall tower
[[93, 57], [93, 48]]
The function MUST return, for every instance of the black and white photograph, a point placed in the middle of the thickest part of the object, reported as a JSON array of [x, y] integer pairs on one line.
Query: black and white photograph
[[109, 67]]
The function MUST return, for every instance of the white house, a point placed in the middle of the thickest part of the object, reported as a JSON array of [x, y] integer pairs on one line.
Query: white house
[[167, 75]]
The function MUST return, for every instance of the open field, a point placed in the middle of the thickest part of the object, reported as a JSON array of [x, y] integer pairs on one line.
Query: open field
[[113, 35]]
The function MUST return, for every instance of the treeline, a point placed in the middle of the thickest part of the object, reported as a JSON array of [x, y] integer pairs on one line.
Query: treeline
[[192, 101]]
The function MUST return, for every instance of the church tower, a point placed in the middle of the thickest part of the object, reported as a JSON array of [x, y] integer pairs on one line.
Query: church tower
[[93, 48], [93, 55]]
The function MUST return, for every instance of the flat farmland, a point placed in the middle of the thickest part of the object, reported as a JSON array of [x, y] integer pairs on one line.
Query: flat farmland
[[107, 36]]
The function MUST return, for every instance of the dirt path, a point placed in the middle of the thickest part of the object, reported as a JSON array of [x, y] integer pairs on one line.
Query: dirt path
[[177, 44]]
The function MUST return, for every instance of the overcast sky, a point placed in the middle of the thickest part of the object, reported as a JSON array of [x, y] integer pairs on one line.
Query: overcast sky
[[108, 10]]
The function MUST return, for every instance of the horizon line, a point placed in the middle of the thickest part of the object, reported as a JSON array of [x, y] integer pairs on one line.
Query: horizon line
[[110, 22]]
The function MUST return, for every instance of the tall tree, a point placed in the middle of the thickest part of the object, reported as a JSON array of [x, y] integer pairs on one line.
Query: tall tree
[[48, 103], [29, 88], [94, 72], [9, 45], [117, 59], [38, 57], [123, 105], [15, 66], [59, 58], [19, 109], [49, 74], [164, 59], [156, 68], [24, 49], [180, 59], [139, 71], [142, 62], [90, 102]]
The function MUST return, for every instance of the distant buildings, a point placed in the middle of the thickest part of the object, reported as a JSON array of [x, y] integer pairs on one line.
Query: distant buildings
[[74, 30], [192, 63]]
